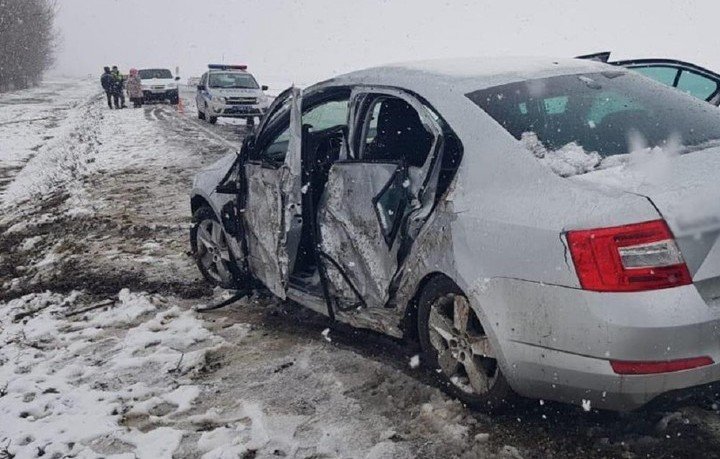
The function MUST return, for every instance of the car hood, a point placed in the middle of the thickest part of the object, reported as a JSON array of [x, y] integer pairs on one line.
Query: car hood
[[685, 190], [208, 178]]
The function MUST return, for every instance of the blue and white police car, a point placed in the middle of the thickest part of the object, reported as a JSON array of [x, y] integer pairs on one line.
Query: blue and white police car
[[230, 91]]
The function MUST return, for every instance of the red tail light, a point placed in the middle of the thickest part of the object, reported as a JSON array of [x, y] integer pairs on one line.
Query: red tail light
[[646, 368], [630, 258]]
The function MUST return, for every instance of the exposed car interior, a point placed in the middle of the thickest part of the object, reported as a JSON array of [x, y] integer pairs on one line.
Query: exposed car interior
[[399, 134], [392, 132]]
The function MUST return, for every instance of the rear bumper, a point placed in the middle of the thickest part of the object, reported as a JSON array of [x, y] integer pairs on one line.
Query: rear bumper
[[571, 378], [557, 343]]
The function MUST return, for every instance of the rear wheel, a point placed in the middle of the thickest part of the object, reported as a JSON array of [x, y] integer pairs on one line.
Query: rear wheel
[[211, 250], [201, 115], [457, 349]]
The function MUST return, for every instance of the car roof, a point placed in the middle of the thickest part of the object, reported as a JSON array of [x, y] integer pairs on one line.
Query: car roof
[[468, 74]]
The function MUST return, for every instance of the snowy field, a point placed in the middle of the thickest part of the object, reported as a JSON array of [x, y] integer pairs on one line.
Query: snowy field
[[102, 355]]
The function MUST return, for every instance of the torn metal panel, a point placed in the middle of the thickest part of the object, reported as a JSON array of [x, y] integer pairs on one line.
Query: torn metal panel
[[351, 232], [382, 320], [263, 226], [273, 215], [291, 186], [432, 252]]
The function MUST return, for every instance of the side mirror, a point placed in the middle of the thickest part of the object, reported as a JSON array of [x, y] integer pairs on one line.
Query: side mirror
[[177, 78], [264, 88]]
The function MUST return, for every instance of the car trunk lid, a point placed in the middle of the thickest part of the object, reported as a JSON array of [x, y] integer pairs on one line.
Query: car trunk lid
[[685, 189]]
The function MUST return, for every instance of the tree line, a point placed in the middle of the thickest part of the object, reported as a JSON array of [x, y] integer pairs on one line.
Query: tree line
[[27, 42]]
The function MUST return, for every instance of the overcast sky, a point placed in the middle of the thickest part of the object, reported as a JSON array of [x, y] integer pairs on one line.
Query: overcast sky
[[305, 41]]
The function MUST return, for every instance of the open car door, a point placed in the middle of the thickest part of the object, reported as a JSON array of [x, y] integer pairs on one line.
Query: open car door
[[272, 218], [377, 199]]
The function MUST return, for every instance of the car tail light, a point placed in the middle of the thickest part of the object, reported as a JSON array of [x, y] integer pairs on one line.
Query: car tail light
[[646, 368], [630, 258]]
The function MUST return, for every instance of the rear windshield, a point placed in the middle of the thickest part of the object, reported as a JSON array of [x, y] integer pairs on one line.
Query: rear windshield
[[232, 80], [603, 114], [151, 74]]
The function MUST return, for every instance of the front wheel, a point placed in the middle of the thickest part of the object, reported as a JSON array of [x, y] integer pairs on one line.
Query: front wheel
[[457, 349], [212, 119], [211, 250]]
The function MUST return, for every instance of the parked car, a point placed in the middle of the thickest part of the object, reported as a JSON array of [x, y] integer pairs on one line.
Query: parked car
[[693, 79], [406, 199], [159, 84], [230, 91]]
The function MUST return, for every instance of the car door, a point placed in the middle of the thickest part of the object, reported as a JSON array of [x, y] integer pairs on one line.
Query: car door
[[377, 199], [199, 95], [272, 215]]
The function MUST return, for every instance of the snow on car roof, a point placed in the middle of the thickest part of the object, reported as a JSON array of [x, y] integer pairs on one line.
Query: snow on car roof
[[469, 73]]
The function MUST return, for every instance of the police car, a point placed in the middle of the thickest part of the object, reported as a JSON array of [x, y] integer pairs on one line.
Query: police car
[[230, 91]]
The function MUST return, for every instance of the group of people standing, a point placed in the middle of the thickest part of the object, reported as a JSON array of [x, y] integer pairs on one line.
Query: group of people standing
[[115, 84]]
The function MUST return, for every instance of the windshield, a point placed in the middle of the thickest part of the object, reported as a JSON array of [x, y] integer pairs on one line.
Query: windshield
[[232, 80], [151, 74], [608, 113]]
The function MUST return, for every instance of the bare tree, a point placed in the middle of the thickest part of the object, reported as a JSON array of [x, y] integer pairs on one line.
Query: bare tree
[[27, 41]]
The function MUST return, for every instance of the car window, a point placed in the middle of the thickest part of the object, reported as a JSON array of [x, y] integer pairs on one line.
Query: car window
[[232, 80], [203, 80], [661, 74], [555, 105], [697, 85], [327, 115], [609, 113], [393, 131], [372, 124], [605, 104], [275, 151], [149, 74]]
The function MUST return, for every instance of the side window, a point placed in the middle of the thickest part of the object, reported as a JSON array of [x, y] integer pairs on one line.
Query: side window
[[203, 80], [555, 105], [697, 85], [275, 151], [372, 125], [664, 75], [327, 115], [393, 131]]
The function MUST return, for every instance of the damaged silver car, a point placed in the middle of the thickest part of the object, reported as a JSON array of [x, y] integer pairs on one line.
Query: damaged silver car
[[406, 199]]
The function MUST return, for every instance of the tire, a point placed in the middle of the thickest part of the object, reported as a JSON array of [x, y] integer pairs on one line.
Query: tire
[[201, 115], [221, 268], [465, 351], [212, 119], [174, 100]]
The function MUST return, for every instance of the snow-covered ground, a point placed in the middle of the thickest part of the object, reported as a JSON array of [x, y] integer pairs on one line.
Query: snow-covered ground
[[102, 355]]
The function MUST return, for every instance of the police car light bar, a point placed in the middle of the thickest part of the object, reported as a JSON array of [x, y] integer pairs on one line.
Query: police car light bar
[[226, 67]]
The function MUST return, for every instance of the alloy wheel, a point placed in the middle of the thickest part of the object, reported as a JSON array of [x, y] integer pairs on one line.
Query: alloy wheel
[[464, 353], [213, 251]]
